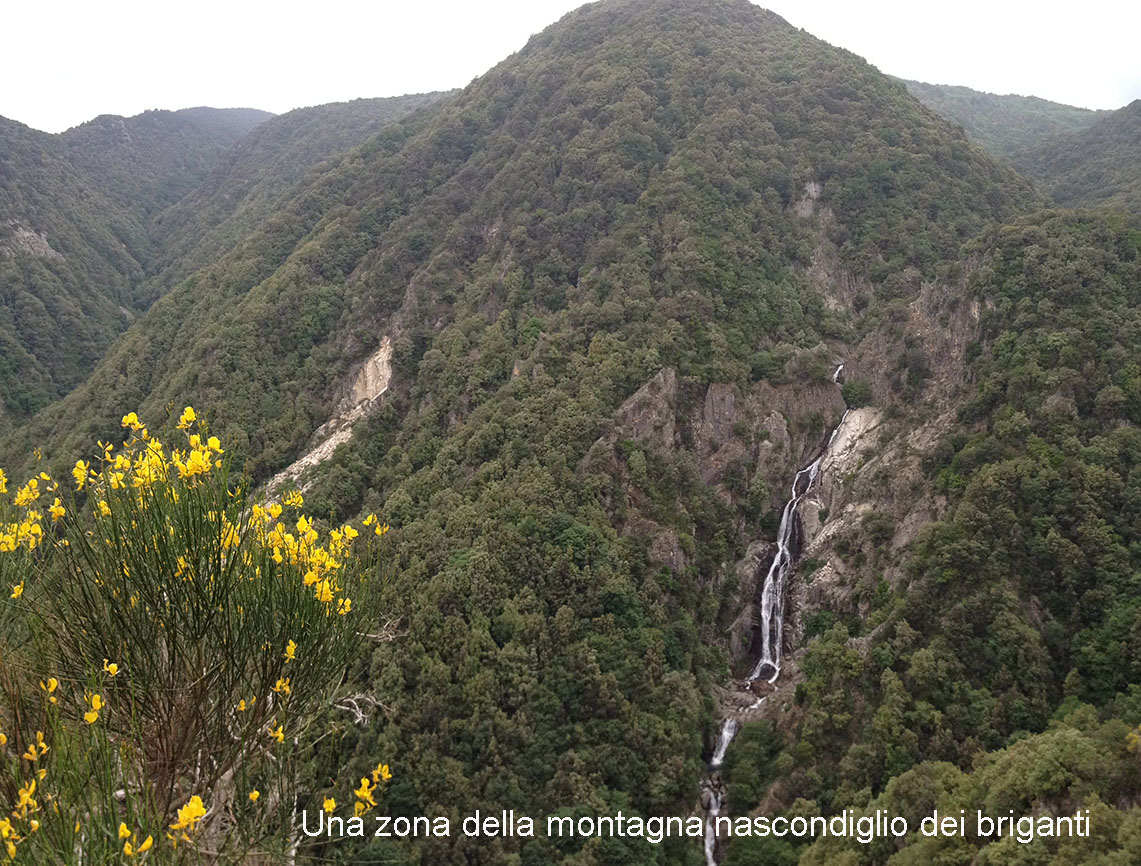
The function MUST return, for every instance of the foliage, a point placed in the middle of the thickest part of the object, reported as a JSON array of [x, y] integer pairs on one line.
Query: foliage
[[1093, 168], [170, 651], [1004, 125], [1020, 604]]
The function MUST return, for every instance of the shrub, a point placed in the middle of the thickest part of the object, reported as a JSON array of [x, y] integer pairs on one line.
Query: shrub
[[168, 650]]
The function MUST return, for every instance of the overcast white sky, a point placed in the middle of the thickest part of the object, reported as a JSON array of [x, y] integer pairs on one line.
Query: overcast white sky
[[65, 62]]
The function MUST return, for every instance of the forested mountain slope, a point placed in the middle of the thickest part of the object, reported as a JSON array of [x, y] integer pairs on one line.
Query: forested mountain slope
[[70, 255], [1004, 125], [148, 162], [253, 177], [1097, 167], [604, 289], [94, 223]]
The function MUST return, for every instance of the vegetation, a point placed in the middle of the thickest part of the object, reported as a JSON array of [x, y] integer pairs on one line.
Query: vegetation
[[96, 223], [1004, 125], [1009, 649], [148, 162], [171, 653], [652, 198], [1093, 168]]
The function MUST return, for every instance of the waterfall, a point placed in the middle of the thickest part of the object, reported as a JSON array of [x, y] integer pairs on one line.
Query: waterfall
[[728, 731], [772, 620], [710, 832]]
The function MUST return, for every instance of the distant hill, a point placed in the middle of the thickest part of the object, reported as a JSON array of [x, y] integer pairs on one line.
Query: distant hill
[[250, 180], [85, 240], [150, 161], [70, 255], [1096, 167], [1003, 125]]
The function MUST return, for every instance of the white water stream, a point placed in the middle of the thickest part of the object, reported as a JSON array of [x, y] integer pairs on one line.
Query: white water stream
[[772, 619]]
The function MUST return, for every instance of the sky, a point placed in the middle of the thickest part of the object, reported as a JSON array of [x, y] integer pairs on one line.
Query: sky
[[64, 62]]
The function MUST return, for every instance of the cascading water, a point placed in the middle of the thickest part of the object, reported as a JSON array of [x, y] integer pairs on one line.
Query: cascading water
[[772, 622], [728, 731]]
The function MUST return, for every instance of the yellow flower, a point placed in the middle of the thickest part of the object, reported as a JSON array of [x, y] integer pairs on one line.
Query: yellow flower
[[190, 814], [3, 482], [79, 473], [18, 589], [104, 508], [290, 652], [56, 510], [254, 794], [243, 706], [329, 805], [344, 606], [370, 520], [27, 494], [130, 850], [277, 734], [381, 773], [324, 592], [95, 701], [294, 499], [111, 667], [282, 686], [124, 833], [188, 417], [214, 445], [365, 792], [381, 530], [131, 420], [50, 686]]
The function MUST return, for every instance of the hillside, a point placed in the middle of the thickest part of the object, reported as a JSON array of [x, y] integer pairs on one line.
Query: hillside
[[70, 256], [574, 332], [250, 181], [1096, 167], [1003, 125], [148, 162], [97, 221]]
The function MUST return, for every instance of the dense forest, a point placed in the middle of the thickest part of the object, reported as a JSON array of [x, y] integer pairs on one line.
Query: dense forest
[[96, 223], [1093, 168], [1004, 125], [563, 338]]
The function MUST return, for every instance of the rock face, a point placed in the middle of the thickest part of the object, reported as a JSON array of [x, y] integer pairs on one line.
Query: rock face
[[650, 415], [369, 385], [21, 239]]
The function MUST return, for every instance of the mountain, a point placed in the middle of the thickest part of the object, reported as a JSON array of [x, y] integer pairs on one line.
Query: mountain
[[1096, 167], [97, 221], [249, 182], [70, 255], [150, 161], [1003, 125], [753, 444], [572, 334]]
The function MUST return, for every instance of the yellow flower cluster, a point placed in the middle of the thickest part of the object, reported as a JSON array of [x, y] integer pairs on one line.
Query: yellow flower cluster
[[366, 792], [145, 464], [189, 817], [131, 843], [130, 524], [27, 530]]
